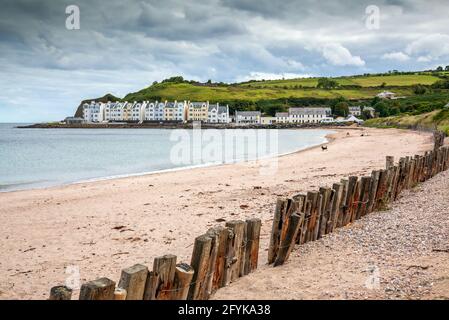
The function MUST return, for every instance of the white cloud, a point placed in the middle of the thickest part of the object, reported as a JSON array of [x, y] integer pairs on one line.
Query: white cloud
[[338, 55], [270, 76], [429, 47], [396, 56]]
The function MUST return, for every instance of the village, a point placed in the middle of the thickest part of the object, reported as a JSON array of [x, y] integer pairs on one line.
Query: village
[[208, 113]]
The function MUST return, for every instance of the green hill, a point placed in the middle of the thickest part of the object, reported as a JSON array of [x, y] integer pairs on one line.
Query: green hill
[[425, 91], [438, 119]]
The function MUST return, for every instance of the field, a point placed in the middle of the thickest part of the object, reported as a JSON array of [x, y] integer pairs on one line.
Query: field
[[240, 92], [363, 81]]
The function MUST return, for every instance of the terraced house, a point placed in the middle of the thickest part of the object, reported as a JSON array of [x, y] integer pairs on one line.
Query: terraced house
[[218, 114], [175, 111], [309, 114], [197, 111], [248, 117], [93, 112], [154, 111]]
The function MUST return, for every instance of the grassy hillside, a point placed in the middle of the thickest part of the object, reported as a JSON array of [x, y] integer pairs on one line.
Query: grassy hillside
[[271, 96], [363, 81], [192, 92], [429, 120]]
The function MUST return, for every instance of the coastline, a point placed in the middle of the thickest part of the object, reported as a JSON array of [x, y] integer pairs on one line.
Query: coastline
[[47, 230], [328, 139]]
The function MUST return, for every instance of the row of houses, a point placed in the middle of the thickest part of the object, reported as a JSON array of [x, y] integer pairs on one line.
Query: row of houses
[[96, 112], [303, 115]]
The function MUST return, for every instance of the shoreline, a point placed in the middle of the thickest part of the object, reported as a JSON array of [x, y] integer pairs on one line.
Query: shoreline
[[329, 137], [47, 230]]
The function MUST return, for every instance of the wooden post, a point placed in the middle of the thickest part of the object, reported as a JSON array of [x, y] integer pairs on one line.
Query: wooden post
[[335, 207], [200, 263], [373, 190], [300, 201], [342, 209], [352, 185], [220, 261], [120, 294], [289, 241], [355, 200], [183, 279], [100, 289], [230, 258], [389, 162], [281, 208], [381, 189], [213, 234], [159, 284], [60, 293], [305, 225], [252, 244], [326, 203], [365, 186], [133, 280], [239, 229], [313, 197]]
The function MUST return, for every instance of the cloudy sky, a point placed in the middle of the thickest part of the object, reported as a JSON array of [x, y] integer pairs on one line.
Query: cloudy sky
[[123, 46]]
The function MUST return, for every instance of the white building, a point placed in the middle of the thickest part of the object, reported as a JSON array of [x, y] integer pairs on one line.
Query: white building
[[355, 111], [248, 117], [93, 112], [386, 95], [308, 114], [282, 117], [154, 111], [137, 111], [218, 114]]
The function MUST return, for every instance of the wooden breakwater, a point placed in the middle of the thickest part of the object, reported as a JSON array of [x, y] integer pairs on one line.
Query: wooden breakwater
[[220, 256], [310, 216], [225, 253]]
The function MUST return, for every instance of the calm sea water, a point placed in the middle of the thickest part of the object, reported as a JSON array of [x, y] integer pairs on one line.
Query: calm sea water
[[35, 158]]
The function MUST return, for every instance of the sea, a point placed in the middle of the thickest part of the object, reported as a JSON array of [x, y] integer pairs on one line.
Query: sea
[[40, 158]]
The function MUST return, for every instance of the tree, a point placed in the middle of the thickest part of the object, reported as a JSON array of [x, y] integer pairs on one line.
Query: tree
[[419, 89], [327, 83], [341, 109], [447, 68], [382, 109], [440, 68], [366, 114]]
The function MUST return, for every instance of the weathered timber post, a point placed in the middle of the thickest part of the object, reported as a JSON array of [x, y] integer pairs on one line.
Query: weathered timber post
[[389, 162], [252, 244], [200, 263], [183, 279], [352, 183], [133, 280], [335, 207], [159, 284], [326, 203], [238, 227], [289, 241], [230, 258], [220, 261], [213, 234], [100, 289], [279, 212], [365, 184], [342, 209], [375, 174], [60, 293]]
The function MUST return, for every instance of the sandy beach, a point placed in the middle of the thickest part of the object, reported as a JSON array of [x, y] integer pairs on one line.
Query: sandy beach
[[102, 227]]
